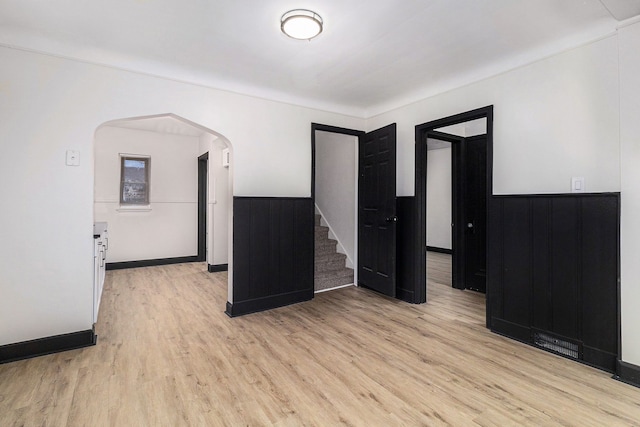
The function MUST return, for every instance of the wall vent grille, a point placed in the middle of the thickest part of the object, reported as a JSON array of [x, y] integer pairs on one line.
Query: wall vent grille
[[557, 345]]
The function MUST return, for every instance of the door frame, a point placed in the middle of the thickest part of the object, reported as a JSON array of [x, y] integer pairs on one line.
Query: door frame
[[420, 210], [203, 181], [344, 131]]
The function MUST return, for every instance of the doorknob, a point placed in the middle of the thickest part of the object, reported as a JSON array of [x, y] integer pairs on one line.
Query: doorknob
[[470, 225], [392, 219]]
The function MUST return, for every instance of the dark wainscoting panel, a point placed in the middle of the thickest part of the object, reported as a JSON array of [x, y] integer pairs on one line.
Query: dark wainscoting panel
[[554, 270], [272, 253], [405, 235]]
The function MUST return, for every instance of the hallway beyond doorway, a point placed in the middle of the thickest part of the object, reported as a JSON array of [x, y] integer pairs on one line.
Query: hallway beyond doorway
[[455, 303]]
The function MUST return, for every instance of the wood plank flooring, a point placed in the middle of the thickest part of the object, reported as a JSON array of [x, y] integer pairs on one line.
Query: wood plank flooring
[[167, 355]]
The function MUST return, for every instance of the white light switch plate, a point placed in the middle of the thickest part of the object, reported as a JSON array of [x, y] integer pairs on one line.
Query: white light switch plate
[[225, 157], [73, 158], [577, 184]]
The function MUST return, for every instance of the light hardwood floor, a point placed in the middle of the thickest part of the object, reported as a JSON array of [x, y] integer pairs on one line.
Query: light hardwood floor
[[167, 355]]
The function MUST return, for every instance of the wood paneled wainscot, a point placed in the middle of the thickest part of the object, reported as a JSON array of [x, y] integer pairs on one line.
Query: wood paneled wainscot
[[554, 273], [272, 253]]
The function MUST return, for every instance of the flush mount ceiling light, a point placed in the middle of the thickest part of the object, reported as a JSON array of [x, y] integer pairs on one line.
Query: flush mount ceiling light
[[301, 24]]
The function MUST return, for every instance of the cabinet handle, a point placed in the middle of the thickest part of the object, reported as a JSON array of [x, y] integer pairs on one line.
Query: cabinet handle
[[106, 243]]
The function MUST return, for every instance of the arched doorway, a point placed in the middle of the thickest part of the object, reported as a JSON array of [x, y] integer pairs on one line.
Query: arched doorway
[[164, 227]]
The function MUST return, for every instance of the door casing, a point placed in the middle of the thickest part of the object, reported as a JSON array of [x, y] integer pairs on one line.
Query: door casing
[[420, 207], [203, 166]]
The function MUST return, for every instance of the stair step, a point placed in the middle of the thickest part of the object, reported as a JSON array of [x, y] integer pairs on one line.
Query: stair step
[[317, 219], [324, 250], [330, 262], [331, 279], [330, 257], [333, 274], [321, 232], [325, 242]]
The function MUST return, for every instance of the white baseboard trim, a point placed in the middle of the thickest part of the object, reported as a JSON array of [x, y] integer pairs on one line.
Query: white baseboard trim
[[333, 289]]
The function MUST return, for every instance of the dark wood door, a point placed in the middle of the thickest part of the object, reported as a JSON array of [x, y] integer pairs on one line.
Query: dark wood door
[[377, 210], [475, 213]]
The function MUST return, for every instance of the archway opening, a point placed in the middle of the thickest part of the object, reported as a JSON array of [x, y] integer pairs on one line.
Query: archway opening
[[148, 189]]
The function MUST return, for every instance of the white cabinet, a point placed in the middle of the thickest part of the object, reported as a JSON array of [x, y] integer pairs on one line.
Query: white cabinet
[[100, 247]]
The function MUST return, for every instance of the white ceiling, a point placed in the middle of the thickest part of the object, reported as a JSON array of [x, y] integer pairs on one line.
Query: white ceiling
[[371, 57]]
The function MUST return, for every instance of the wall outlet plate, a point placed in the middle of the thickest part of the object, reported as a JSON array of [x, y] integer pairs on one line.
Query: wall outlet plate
[[73, 158]]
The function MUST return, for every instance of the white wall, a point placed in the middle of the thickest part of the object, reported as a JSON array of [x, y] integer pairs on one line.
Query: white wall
[[553, 119], [336, 194], [49, 105], [630, 155], [439, 198], [222, 201], [170, 228]]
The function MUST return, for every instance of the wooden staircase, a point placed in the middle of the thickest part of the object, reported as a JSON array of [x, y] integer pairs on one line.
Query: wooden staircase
[[329, 265]]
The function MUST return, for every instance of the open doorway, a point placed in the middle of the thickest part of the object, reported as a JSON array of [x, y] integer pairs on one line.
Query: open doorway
[[440, 208], [457, 200], [203, 197], [187, 216], [467, 139], [375, 247], [335, 194]]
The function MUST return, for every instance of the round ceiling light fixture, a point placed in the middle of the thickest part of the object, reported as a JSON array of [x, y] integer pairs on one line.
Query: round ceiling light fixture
[[301, 24]]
